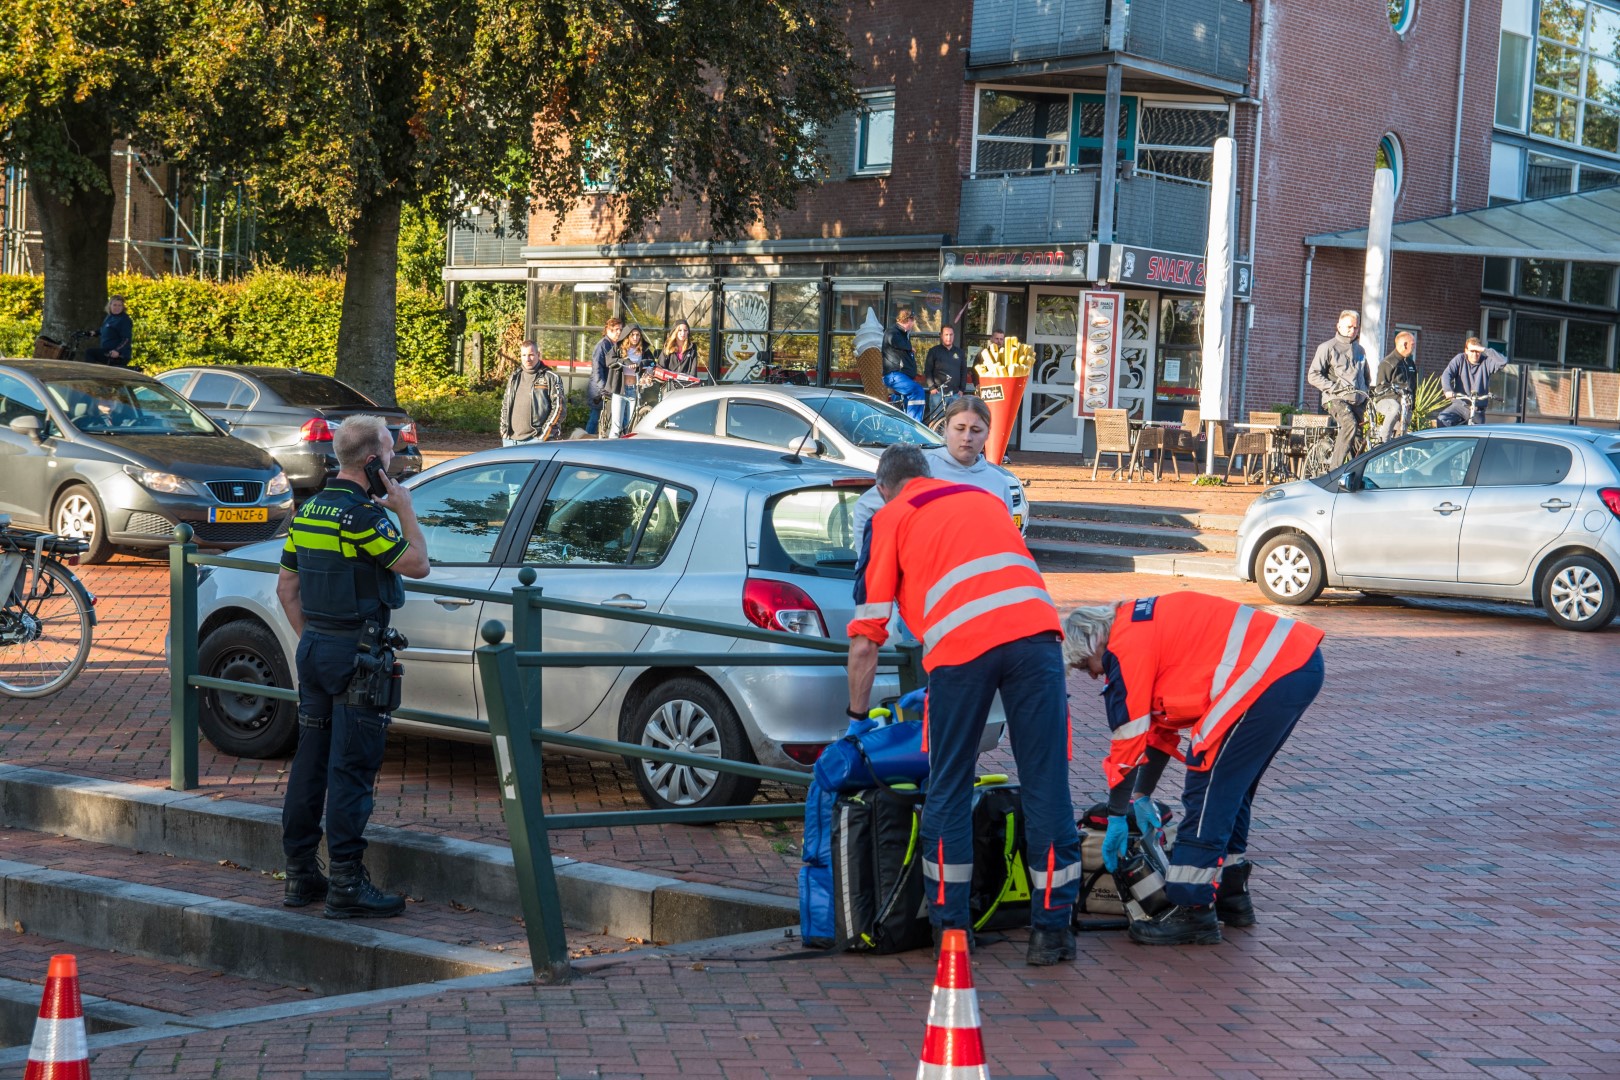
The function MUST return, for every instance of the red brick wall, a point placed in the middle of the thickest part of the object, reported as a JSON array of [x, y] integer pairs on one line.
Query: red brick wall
[[1337, 78], [915, 46]]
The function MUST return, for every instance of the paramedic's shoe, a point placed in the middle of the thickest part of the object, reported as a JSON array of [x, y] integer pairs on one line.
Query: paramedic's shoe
[[351, 895], [305, 882], [1233, 905], [1048, 947], [1179, 926]]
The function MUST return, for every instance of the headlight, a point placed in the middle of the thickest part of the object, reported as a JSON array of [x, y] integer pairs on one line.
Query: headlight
[[1274, 493], [279, 484], [167, 483]]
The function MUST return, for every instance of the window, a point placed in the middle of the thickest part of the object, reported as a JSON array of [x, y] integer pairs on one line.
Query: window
[[1177, 141], [760, 423], [598, 517], [1401, 14], [1576, 95], [314, 390], [216, 390], [462, 513], [875, 132], [1514, 462], [1426, 463], [699, 419], [1389, 157], [1539, 277], [569, 317], [18, 399], [1021, 132], [811, 532], [746, 320], [1512, 64]]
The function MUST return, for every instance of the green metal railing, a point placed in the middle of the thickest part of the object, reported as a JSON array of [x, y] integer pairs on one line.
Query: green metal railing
[[510, 674]]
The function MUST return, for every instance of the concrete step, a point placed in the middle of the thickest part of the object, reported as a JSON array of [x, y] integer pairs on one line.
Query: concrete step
[[1071, 555], [1130, 534], [1172, 517]]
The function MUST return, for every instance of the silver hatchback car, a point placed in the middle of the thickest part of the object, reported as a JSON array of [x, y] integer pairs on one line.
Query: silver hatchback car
[[728, 534], [1520, 513]]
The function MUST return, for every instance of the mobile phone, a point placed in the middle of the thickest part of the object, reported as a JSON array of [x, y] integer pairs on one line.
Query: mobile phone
[[374, 473]]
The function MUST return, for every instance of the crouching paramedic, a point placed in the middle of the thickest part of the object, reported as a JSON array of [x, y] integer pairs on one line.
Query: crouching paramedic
[[950, 555], [339, 580], [1235, 681]]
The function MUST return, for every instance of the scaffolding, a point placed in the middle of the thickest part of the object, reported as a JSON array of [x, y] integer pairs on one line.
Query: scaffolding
[[208, 223]]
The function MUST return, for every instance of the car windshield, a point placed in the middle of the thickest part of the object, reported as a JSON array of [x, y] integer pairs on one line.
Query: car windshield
[[111, 406], [811, 531], [869, 423], [313, 391]]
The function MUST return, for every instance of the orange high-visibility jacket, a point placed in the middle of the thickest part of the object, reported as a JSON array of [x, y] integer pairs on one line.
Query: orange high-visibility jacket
[[1191, 663], [953, 559]]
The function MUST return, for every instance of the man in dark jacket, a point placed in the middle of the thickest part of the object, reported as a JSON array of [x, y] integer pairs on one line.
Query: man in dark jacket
[[900, 364], [601, 357], [532, 410], [946, 369], [1467, 383], [1339, 373], [1396, 387]]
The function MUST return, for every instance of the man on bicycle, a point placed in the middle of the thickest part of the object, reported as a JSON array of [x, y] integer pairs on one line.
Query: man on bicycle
[[900, 364], [946, 369], [1396, 387], [1339, 373], [1467, 383]]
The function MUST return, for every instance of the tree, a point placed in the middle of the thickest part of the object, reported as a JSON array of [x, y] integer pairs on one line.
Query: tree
[[363, 106]]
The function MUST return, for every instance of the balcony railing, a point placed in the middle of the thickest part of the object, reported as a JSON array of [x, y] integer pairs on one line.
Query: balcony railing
[[1208, 37], [1044, 209], [1163, 213]]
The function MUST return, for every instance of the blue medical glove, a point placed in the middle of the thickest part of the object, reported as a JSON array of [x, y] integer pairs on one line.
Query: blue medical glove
[[1147, 815], [1114, 841], [912, 702]]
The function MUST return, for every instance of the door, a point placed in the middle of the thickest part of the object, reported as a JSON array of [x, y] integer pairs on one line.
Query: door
[[1138, 341], [228, 400], [25, 464], [462, 514], [1405, 522], [1047, 420], [607, 538], [1524, 496]]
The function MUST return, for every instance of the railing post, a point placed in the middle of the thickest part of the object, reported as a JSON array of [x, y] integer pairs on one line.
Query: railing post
[[182, 661], [912, 674], [517, 763], [526, 637]]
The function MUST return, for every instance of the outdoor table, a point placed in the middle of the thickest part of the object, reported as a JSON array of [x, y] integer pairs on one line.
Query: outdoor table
[[1139, 426], [1276, 462]]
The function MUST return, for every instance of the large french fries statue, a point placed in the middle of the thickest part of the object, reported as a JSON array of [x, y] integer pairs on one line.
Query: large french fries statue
[[1002, 378]]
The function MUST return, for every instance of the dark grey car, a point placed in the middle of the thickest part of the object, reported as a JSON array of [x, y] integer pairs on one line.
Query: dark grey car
[[113, 457], [291, 413]]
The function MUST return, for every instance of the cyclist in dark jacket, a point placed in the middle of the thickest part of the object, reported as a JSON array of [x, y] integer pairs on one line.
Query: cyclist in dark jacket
[[900, 364], [1467, 383]]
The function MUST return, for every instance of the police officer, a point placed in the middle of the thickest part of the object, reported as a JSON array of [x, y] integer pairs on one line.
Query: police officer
[[951, 557], [340, 569]]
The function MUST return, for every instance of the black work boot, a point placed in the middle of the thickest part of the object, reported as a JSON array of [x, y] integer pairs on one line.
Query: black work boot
[[351, 895], [1179, 926], [1048, 947], [305, 882], [1233, 905]]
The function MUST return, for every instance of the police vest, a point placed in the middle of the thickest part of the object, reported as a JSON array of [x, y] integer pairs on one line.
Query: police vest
[[336, 537]]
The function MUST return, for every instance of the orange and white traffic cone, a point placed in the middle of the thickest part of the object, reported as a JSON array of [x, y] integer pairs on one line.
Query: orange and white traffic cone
[[59, 1050], [953, 1048]]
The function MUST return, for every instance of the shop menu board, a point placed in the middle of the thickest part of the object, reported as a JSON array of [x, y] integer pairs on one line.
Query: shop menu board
[[1097, 351]]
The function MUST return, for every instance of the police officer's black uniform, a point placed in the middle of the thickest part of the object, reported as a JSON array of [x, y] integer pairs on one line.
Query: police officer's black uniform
[[341, 546]]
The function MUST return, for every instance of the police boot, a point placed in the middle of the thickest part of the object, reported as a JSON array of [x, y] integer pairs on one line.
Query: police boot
[[305, 882], [1233, 905], [351, 894], [1048, 947], [1179, 926]]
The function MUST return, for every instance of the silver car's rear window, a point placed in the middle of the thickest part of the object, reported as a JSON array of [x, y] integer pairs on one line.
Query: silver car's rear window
[[811, 531], [1614, 458]]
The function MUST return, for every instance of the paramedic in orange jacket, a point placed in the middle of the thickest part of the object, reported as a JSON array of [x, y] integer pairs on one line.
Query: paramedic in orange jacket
[[951, 557], [1232, 679]]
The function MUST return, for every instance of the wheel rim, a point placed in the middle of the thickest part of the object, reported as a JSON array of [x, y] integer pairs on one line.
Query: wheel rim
[[685, 726], [244, 714], [45, 641], [76, 518], [1287, 570], [1577, 593]]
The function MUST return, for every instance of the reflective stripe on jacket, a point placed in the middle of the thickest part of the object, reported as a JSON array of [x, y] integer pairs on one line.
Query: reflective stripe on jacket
[[1191, 663], [952, 558]]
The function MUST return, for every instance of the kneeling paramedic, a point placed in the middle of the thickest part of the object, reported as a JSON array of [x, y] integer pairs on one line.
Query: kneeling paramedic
[[339, 580], [951, 556], [1235, 681]]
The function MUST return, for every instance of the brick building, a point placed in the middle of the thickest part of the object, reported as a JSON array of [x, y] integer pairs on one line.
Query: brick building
[[971, 185]]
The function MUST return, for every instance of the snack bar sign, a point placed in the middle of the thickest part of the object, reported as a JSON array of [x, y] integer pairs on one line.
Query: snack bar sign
[[1045, 262], [1172, 270], [1097, 351]]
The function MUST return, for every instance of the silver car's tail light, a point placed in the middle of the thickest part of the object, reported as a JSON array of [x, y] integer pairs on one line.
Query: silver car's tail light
[[1611, 499], [779, 605]]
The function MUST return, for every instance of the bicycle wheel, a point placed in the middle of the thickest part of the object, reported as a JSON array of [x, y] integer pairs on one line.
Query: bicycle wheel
[[1316, 459], [44, 639]]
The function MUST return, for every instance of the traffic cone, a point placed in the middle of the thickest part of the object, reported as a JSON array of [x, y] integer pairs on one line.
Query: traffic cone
[[953, 1047], [59, 1050]]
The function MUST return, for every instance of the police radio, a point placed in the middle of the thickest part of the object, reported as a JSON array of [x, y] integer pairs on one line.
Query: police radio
[[378, 677]]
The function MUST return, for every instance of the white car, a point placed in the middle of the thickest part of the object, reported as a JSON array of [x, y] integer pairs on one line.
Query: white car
[[729, 534], [1508, 512]]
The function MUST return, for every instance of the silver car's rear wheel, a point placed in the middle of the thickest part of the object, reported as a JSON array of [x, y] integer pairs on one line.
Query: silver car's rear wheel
[[1578, 593], [690, 716], [1289, 569]]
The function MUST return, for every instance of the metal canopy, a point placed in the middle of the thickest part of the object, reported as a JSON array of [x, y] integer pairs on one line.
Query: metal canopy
[[1584, 227]]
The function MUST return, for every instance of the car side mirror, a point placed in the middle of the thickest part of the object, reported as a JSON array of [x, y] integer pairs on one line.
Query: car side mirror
[[809, 445], [27, 425], [1350, 480]]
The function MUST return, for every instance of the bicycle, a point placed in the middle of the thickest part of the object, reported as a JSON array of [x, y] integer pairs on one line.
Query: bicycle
[[1319, 451], [47, 617], [48, 348], [1477, 404]]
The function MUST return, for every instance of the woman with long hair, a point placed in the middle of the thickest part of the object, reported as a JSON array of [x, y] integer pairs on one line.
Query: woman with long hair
[[623, 372], [680, 351]]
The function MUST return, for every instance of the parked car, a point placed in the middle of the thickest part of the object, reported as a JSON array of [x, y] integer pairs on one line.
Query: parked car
[[730, 534], [1498, 512], [833, 425], [291, 413], [113, 457]]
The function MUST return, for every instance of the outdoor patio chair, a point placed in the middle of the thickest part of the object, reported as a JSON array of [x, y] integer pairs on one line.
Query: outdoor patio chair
[[1253, 447], [1188, 441], [1151, 440], [1303, 429], [1113, 437]]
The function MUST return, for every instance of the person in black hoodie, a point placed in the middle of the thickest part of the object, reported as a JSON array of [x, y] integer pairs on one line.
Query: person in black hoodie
[[117, 336], [680, 351]]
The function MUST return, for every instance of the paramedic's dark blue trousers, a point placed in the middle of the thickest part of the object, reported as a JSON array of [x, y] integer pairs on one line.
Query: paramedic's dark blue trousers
[[1029, 673], [1216, 802]]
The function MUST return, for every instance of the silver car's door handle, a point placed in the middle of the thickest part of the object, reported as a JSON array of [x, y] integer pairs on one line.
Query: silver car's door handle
[[1447, 508], [623, 601], [448, 602], [1555, 504]]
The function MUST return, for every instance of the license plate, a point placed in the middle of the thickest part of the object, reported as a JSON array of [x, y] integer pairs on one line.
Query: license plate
[[1018, 521], [238, 515]]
